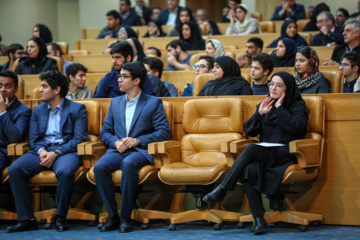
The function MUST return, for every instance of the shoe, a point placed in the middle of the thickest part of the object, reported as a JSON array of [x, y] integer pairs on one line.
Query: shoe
[[111, 224], [215, 196], [260, 226], [23, 226], [60, 224], [125, 226]]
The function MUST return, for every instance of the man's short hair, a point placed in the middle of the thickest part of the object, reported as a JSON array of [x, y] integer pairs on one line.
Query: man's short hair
[[237, 1], [55, 47], [354, 59], [12, 75], [127, 2], [73, 69], [124, 49], [209, 60], [258, 42], [113, 13], [175, 43], [56, 79], [344, 11], [155, 64], [355, 23], [14, 47], [265, 60], [328, 15], [158, 52], [137, 70]]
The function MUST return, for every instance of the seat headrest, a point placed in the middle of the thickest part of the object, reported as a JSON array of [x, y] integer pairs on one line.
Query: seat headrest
[[316, 110]]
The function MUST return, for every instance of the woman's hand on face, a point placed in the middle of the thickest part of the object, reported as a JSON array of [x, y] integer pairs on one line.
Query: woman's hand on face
[[280, 101], [266, 105]]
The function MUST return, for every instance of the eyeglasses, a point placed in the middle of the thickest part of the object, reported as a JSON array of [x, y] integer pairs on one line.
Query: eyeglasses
[[124, 76], [344, 65], [201, 66], [277, 85]]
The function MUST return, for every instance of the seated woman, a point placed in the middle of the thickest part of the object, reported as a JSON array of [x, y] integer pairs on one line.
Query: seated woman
[[289, 30], [242, 23], [211, 27], [307, 76], [284, 55], [124, 33], [214, 48], [36, 62], [43, 32], [228, 80], [154, 30], [191, 37], [279, 118], [137, 49], [184, 15]]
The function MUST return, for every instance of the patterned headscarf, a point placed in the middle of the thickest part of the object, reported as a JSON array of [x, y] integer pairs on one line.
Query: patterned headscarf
[[219, 49]]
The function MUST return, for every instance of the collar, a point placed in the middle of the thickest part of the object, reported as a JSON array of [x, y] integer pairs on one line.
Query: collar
[[175, 11], [59, 106], [126, 15], [135, 100]]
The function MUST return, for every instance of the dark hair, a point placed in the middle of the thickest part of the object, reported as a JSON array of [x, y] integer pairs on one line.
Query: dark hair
[[257, 41], [158, 52], [242, 8], [175, 43], [137, 70], [124, 49], [56, 79], [209, 60], [73, 69], [45, 33], [154, 64], [126, 1], [13, 47], [344, 11], [12, 75], [42, 47], [113, 13], [354, 59], [55, 47], [306, 51], [237, 1], [265, 60]]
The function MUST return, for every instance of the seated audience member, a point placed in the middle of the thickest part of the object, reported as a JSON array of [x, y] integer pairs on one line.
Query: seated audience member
[[3, 48], [205, 65], [43, 32], [14, 116], [214, 49], [108, 86], [225, 11], [229, 10], [142, 11], [312, 25], [355, 14], [128, 18], [285, 53], [211, 28], [36, 62], [350, 67], [185, 15], [154, 30], [57, 126], [289, 30], [123, 34], [76, 74], [155, 67], [137, 49], [228, 80], [191, 37], [54, 50], [155, 13], [289, 9], [307, 76], [261, 67], [168, 16], [113, 25], [200, 16], [341, 16], [178, 58], [242, 23], [15, 51], [153, 52], [329, 33], [253, 45]]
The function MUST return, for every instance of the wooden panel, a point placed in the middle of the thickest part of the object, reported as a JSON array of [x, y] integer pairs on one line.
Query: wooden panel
[[93, 46], [159, 43], [95, 62], [240, 40], [4, 59]]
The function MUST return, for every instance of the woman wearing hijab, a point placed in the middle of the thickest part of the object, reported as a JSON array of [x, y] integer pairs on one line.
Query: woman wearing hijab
[[43, 32], [242, 23], [228, 80], [211, 27], [154, 30], [124, 33], [307, 76], [213, 48], [137, 49], [284, 55], [289, 30], [191, 37], [184, 15], [36, 62], [279, 118]]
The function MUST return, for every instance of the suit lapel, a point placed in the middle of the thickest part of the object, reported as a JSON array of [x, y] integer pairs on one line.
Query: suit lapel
[[64, 113], [43, 119], [122, 110], [138, 109]]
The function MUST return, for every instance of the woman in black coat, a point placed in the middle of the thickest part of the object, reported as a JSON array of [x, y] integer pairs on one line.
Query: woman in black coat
[[279, 118]]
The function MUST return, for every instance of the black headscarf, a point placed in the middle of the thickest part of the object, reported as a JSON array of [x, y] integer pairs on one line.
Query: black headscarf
[[196, 42], [288, 60], [214, 28], [139, 49], [42, 51], [45, 33], [300, 42], [231, 82], [178, 24], [159, 33]]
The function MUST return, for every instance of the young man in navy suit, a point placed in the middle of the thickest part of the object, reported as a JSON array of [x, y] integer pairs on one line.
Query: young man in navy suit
[[56, 128], [133, 121], [14, 116]]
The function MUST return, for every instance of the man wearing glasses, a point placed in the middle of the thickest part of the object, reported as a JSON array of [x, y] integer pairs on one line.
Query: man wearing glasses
[[329, 34], [350, 67]]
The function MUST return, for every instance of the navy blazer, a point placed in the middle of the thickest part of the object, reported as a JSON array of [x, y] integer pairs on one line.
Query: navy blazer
[[14, 123], [322, 40], [164, 15], [297, 13], [73, 123], [149, 123], [132, 20]]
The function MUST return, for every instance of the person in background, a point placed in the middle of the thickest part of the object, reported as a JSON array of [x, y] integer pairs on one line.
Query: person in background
[[168, 16], [211, 28], [15, 51], [289, 30], [142, 11], [285, 53], [329, 33], [356, 14], [191, 37], [137, 49], [178, 58], [153, 52], [76, 74], [154, 30], [312, 25], [261, 67], [155, 13], [350, 67], [200, 15], [341, 16], [3, 48], [229, 10], [289, 9], [54, 50], [242, 22], [128, 18], [253, 45], [123, 34], [225, 11], [43, 32], [113, 25], [185, 15]]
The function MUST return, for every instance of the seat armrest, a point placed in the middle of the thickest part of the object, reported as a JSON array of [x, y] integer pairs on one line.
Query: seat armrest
[[11, 149], [165, 152], [90, 152], [239, 145], [306, 151], [22, 148]]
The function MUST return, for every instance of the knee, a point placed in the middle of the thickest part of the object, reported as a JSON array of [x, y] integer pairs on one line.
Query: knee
[[128, 165], [99, 168], [64, 173], [14, 169]]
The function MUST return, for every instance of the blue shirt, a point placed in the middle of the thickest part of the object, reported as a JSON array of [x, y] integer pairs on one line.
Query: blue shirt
[[185, 61], [129, 112]]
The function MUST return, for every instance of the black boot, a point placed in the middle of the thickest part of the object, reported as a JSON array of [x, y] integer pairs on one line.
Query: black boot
[[260, 226], [111, 224], [215, 196]]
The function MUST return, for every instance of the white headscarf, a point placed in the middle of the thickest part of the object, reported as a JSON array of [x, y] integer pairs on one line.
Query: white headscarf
[[243, 26]]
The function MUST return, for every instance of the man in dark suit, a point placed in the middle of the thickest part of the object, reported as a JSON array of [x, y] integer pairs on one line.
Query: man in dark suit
[[168, 16], [289, 9], [14, 116], [329, 33], [133, 121], [56, 128], [128, 18], [142, 11]]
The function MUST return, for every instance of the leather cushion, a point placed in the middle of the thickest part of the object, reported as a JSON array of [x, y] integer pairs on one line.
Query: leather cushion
[[48, 177]]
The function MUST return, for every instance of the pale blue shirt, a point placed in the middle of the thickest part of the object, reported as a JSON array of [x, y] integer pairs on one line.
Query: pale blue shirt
[[129, 112], [172, 17]]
